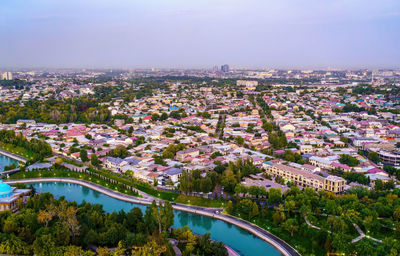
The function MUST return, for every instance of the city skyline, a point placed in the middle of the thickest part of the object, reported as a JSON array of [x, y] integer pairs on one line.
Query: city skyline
[[178, 34]]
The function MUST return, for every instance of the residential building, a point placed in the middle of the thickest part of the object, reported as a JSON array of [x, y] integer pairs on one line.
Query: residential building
[[181, 155], [303, 178]]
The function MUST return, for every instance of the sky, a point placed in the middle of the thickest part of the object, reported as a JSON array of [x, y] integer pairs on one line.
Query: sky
[[200, 33]]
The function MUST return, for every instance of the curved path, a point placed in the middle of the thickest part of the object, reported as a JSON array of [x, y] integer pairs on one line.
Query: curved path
[[275, 241], [13, 156]]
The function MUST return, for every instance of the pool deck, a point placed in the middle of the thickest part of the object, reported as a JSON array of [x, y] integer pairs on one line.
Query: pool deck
[[273, 240]]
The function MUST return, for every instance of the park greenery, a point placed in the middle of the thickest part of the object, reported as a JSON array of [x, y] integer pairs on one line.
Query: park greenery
[[34, 149], [121, 183], [227, 176], [376, 212], [77, 110], [90, 176], [48, 226]]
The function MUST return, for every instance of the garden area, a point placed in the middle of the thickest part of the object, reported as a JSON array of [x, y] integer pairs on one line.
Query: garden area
[[117, 183], [20, 151], [76, 175], [334, 217]]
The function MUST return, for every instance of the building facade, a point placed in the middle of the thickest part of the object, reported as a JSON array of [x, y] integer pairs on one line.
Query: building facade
[[9, 196], [303, 178]]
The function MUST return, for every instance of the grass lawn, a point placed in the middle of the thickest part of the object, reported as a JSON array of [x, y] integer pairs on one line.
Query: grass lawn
[[65, 160], [170, 196], [16, 150], [199, 201]]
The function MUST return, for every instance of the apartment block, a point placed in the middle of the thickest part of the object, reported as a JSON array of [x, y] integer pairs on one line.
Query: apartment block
[[304, 179]]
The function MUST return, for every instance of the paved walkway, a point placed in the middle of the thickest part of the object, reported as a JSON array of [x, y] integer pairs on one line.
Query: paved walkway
[[355, 240], [362, 235], [231, 252], [313, 226], [174, 243], [6, 173], [13, 156], [275, 241]]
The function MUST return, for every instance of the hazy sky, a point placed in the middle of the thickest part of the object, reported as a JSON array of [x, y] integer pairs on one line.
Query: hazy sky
[[200, 33]]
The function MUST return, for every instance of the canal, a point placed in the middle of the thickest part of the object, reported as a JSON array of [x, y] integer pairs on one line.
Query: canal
[[238, 239], [5, 161]]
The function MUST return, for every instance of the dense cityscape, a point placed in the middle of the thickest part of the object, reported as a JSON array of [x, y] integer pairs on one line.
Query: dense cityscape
[[310, 156], [200, 128]]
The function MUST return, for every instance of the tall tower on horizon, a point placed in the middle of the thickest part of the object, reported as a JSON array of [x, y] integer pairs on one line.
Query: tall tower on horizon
[[225, 68], [6, 76]]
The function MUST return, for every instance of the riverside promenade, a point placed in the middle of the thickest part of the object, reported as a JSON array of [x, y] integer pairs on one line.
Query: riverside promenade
[[13, 156], [273, 240]]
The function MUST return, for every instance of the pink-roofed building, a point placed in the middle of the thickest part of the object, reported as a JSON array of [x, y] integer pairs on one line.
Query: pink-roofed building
[[74, 133], [157, 167], [147, 118], [76, 155], [343, 167], [378, 171], [80, 127], [50, 133]]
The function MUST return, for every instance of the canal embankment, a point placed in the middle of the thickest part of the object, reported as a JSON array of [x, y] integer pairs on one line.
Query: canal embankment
[[13, 156], [273, 240]]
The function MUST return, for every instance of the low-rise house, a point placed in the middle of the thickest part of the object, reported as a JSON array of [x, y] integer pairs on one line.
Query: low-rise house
[[114, 163], [374, 177], [26, 122], [192, 152], [173, 174], [321, 162], [342, 167], [306, 149]]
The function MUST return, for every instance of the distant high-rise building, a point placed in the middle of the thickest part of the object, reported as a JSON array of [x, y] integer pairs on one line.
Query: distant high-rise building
[[6, 76], [225, 68]]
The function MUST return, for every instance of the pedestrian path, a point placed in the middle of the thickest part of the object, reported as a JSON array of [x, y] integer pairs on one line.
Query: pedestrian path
[[355, 240]]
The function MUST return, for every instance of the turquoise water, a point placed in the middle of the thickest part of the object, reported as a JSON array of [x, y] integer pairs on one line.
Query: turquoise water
[[5, 161], [238, 239]]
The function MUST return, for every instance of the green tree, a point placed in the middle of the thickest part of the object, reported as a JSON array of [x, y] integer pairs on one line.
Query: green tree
[[164, 116], [349, 160], [84, 155], [268, 127], [239, 140], [291, 226], [229, 207], [274, 195], [94, 160], [254, 211], [373, 156]]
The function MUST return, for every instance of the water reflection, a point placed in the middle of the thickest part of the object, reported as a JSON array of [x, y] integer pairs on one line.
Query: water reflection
[[237, 238], [85, 191], [6, 161]]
